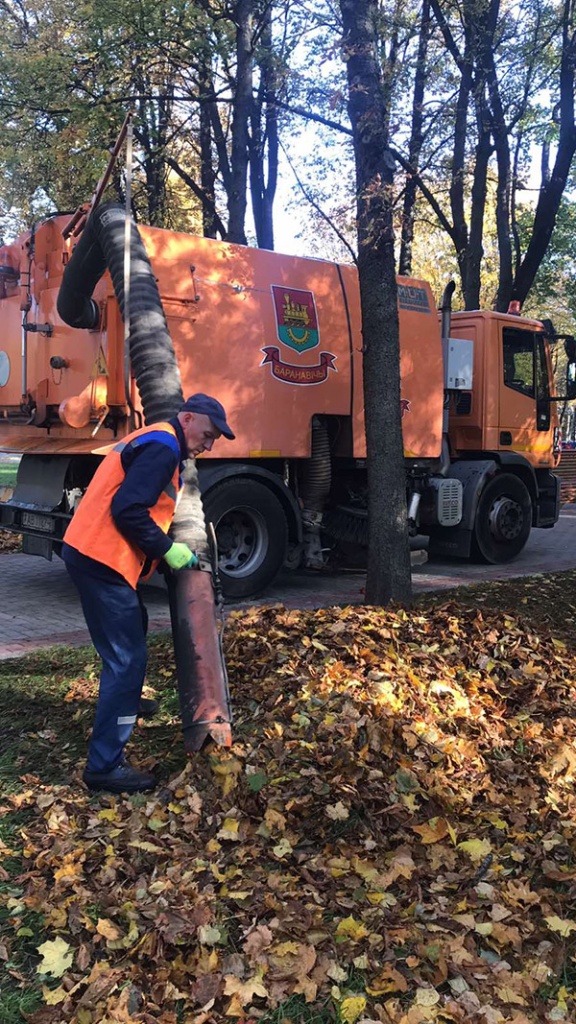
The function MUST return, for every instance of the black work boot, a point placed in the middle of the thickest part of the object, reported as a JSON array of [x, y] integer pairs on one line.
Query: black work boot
[[147, 707], [121, 779]]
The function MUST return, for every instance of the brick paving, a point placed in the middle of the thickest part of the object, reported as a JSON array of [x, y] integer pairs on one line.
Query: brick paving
[[39, 607]]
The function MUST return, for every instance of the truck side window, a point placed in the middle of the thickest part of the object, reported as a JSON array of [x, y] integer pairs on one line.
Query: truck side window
[[518, 347], [542, 385]]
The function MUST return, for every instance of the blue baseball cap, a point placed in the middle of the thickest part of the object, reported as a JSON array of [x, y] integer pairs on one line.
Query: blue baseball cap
[[209, 407]]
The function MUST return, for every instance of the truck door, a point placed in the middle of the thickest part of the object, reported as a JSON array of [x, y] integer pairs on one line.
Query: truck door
[[525, 412]]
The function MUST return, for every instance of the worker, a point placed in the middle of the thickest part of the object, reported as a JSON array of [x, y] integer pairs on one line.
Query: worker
[[116, 538]]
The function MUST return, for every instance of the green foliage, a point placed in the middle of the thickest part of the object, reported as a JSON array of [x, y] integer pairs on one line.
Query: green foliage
[[69, 71], [554, 290]]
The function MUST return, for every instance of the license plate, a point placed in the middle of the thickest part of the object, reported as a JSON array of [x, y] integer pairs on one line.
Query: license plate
[[36, 522]]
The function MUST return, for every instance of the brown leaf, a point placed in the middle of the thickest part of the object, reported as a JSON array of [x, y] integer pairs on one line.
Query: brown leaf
[[207, 988]]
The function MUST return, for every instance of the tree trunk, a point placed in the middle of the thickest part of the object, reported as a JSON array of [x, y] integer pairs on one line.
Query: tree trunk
[[504, 228], [242, 106], [151, 132], [388, 546], [264, 143], [475, 250], [207, 172]]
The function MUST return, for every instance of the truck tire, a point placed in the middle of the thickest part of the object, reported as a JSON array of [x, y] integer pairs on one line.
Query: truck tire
[[252, 535], [503, 520]]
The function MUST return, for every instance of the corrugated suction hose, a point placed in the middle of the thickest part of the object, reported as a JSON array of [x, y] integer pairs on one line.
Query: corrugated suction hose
[[101, 247]]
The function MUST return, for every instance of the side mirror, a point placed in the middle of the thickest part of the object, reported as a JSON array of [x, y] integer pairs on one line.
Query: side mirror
[[570, 348]]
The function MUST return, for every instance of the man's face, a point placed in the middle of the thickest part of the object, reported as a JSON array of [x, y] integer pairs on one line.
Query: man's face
[[199, 432]]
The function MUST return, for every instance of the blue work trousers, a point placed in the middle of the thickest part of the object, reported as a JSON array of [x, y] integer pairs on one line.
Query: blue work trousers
[[117, 621]]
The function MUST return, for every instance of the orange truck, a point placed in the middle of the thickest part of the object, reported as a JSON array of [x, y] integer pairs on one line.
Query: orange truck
[[278, 339]]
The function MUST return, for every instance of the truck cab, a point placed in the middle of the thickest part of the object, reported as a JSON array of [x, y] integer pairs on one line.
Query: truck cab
[[504, 437]]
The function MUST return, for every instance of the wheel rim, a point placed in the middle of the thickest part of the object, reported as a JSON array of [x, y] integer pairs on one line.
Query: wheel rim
[[506, 520], [242, 537]]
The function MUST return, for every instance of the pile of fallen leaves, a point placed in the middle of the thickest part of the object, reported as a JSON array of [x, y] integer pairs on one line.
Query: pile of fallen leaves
[[10, 542], [391, 838]]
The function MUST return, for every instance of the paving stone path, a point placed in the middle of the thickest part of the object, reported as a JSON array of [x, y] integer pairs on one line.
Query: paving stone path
[[39, 607]]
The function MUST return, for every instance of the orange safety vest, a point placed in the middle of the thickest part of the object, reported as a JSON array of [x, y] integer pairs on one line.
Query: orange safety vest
[[92, 530]]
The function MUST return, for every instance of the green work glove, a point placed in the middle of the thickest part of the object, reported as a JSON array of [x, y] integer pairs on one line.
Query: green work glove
[[180, 556]]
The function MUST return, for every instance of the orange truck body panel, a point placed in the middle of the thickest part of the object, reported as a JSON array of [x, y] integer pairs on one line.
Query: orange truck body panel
[[277, 338]]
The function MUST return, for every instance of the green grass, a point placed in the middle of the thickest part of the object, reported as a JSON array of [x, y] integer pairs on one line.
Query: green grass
[[8, 472], [16, 1004], [44, 735], [297, 1011], [24, 930]]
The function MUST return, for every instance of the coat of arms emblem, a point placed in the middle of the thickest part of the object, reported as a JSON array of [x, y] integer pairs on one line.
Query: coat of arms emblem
[[296, 320], [297, 328]]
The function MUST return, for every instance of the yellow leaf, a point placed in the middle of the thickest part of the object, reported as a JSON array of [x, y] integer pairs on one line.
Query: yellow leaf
[[307, 988], [57, 957], [282, 948], [275, 820], [563, 995], [147, 847], [125, 941], [364, 869], [108, 814], [349, 928], [381, 899], [508, 995], [336, 972], [452, 833], [68, 871], [389, 980], [561, 925], [58, 917], [108, 929], [476, 849], [351, 1008], [227, 769], [338, 866], [244, 990], [54, 996], [282, 849], [427, 997], [229, 830], [235, 1008]]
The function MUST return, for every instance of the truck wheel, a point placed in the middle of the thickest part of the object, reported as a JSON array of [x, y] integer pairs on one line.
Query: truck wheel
[[252, 535], [503, 520]]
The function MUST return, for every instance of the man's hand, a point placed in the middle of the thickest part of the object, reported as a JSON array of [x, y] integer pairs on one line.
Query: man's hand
[[180, 556]]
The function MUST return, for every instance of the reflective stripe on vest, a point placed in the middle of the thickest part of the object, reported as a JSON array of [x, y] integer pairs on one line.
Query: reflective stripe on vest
[[93, 531]]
